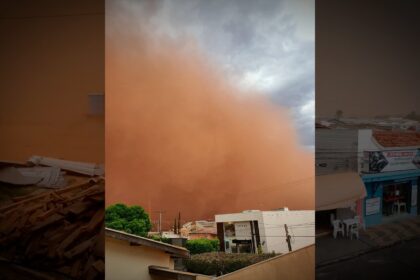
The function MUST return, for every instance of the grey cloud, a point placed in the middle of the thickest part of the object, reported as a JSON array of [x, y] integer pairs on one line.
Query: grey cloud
[[248, 37]]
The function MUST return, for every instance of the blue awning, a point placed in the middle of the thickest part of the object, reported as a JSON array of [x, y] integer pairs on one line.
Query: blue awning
[[391, 176]]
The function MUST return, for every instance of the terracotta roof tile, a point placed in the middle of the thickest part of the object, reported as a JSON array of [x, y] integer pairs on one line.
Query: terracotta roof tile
[[397, 139]]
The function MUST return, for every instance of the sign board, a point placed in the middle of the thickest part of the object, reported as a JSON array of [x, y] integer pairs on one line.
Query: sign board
[[373, 205], [243, 230], [414, 195], [395, 160]]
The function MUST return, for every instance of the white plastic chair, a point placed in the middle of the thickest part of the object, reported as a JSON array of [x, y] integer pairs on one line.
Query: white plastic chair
[[337, 228], [354, 228], [356, 220], [332, 218], [398, 206]]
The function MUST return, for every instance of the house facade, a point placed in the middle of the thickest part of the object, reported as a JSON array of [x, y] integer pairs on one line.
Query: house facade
[[339, 188], [366, 170], [130, 257], [389, 165], [252, 231]]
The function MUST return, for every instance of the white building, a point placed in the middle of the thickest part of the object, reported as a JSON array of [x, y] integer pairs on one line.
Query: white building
[[249, 230]]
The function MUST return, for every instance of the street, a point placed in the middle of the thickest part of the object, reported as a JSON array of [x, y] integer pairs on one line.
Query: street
[[401, 261]]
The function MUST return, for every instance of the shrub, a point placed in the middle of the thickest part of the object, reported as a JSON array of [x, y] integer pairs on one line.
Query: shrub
[[160, 238], [219, 263], [131, 219], [202, 245]]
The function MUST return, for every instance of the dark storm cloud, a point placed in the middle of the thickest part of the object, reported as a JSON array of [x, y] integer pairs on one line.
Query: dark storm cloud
[[265, 46]]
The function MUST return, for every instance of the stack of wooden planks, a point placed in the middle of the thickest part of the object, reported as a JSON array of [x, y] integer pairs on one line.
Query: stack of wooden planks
[[59, 231]]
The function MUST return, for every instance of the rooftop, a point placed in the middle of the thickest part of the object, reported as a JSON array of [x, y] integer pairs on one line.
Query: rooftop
[[132, 239], [397, 139], [385, 123]]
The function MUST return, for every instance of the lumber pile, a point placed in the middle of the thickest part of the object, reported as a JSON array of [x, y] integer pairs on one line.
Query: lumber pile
[[59, 231], [90, 169]]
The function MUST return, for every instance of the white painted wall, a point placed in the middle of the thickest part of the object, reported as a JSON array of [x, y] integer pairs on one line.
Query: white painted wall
[[239, 217], [272, 231], [254, 215], [132, 262], [299, 223]]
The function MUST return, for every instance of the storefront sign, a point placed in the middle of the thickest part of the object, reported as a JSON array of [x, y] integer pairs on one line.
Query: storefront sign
[[396, 160], [243, 230], [373, 205], [414, 195]]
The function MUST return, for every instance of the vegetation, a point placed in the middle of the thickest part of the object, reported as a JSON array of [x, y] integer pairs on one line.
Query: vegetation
[[202, 245], [131, 219], [160, 238], [218, 263]]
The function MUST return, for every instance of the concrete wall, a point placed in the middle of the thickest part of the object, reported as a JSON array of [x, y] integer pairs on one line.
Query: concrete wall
[[132, 262], [298, 265], [337, 149], [301, 227], [52, 57]]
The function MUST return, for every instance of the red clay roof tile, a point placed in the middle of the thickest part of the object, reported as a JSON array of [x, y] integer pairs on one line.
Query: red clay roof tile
[[397, 139]]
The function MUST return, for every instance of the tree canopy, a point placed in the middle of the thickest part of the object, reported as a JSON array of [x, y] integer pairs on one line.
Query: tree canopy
[[131, 219]]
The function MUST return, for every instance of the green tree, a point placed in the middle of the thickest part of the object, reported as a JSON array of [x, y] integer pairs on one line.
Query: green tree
[[131, 219], [202, 245]]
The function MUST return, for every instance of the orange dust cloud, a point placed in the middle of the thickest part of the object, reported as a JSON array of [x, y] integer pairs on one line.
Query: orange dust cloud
[[179, 137]]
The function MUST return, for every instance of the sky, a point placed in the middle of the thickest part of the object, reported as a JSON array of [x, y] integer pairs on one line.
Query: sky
[[200, 98], [367, 59], [266, 46]]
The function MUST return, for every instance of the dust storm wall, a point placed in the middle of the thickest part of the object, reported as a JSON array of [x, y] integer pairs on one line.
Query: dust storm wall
[[181, 137]]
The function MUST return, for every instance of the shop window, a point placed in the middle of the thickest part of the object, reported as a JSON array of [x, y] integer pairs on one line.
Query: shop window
[[229, 230], [396, 199]]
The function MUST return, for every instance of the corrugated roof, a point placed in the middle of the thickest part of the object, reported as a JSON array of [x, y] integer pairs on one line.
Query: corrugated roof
[[397, 138]]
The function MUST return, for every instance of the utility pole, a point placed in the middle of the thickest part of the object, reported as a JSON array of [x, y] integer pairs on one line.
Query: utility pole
[[288, 238], [179, 223], [160, 221]]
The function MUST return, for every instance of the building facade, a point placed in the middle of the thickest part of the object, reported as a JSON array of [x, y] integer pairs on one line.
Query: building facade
[[372, 173], [339, 188], [389, 165], [130, 257], [254, 231]]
